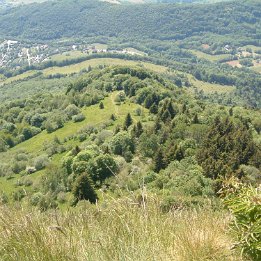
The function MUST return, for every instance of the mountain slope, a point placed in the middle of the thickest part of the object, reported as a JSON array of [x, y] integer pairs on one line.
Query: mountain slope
[[92, 18]]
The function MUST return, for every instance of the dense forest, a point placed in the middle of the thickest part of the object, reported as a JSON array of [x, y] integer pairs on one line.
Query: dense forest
[[163, 22], [145, 149]]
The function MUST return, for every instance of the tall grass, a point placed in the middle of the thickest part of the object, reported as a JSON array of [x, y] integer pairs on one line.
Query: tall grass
[[114, 230]]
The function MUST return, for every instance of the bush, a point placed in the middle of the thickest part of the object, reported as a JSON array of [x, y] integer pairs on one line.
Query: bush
[[18, 166], [36, 198], [3, 198], [78, 118], [245, 205], [61, 197], [102, 167], [72, 110], [19, 194], [41, 162]]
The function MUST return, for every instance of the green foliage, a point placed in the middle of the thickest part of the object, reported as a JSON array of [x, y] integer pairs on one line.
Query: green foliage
[[41, 162], [159, 161], [102, 167], [225, 148], [128, 121], [78, 118], [83, 189], [184, 178], [122, 143], [148, 144], [72, 110], [245, 205], [101, 105]]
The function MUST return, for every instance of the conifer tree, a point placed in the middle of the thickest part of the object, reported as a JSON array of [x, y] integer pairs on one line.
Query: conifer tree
[[159, 161], [184, 108], [128, 121], [117, 129], [139, 129], [157, 125], [83, 189], [225, 148], [154, 108], [113, 117]]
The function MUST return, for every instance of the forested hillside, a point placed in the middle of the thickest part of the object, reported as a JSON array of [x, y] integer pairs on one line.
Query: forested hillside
[[178, 36], [164, 22], [119, 131], [130, 131]]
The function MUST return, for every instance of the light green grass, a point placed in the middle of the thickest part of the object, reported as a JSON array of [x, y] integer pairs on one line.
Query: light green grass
[[18, 77], [253, 47], [100, 46], [210, 88], [67, 56], [9, 186], [75, 68], [212, 58]]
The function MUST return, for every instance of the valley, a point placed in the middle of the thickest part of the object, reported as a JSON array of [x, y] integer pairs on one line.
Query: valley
[[130, 130]]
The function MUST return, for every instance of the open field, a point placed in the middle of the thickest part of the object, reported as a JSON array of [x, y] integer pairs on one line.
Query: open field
[[253, 47], [94, 116], [212, 58], [75, 68], [210, 88], [67, 56], [257, 69], [18, 77], [234, 63]]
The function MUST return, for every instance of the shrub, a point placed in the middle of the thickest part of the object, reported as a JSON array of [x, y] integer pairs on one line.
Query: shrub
[[61, 197], [3, 198], [18, 166], [19, 194], [78, 118], [102, 167], [101, 105], [36, 198], [41, 162], [72, 110], [245, 205]]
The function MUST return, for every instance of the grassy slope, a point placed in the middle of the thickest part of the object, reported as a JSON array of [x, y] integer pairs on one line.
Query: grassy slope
[[18, 77], [67, 55], [212, 58], [210, 88], [101, 61], [94, 116]]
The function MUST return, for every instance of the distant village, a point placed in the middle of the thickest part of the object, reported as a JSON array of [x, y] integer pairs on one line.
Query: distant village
[[16, 54]]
